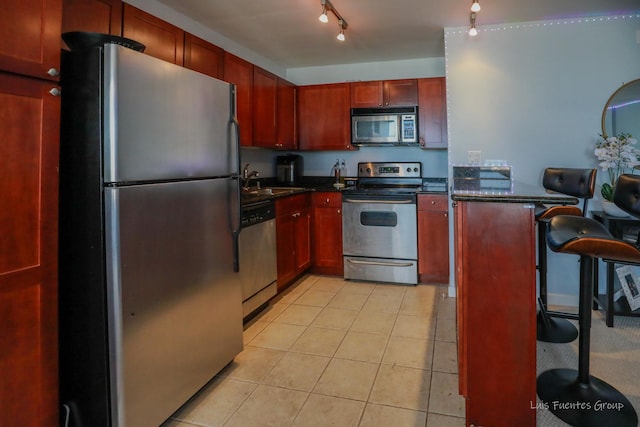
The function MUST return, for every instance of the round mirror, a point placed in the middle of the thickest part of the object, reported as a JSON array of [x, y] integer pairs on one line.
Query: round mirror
[[621, 113]]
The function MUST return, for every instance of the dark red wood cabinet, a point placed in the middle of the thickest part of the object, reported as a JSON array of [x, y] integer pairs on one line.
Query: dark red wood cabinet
[[265, 92], [327, 233], [293, 230], [202, 56], [432, 113], [324, 117], [162, 39], [29, 125], [384, 93], [97, 16], [286, 116], [496, 312], [433, 238]]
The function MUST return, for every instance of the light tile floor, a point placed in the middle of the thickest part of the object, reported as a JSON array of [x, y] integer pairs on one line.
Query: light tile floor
[[337, 353]]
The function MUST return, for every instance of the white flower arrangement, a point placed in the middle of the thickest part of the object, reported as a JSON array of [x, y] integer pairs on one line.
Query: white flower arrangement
[[616, 155]]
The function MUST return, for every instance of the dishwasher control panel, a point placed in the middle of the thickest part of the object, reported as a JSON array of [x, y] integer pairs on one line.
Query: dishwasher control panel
[[257, 213]]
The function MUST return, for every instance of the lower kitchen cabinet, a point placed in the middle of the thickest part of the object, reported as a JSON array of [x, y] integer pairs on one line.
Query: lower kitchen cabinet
[[293, 237], [433, 238], [327, 233]]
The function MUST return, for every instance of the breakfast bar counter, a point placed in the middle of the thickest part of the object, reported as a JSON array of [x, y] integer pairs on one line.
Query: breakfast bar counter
[[495, 271]]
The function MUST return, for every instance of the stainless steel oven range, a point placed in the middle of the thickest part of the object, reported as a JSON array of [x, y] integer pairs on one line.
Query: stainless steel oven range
[[379, 222]]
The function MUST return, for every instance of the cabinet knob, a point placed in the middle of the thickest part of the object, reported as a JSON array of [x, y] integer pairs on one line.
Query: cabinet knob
[[339, 211], [52, 72], [55, 91], [433, 202]]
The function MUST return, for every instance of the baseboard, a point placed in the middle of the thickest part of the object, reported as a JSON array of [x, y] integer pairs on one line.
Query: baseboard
[[563, 300]]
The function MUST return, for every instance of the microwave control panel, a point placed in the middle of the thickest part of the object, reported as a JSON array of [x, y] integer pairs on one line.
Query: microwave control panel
[[408, 123]]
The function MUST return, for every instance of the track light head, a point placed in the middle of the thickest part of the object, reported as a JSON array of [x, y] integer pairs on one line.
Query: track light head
[[472, 28], [340, 35], [475, 6]]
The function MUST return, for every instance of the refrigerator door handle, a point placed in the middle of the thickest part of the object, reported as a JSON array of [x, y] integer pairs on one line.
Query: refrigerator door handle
[[236, 222], [235, 131]]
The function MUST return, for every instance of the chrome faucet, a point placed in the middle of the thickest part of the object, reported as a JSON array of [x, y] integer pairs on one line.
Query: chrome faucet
[[247, 176]]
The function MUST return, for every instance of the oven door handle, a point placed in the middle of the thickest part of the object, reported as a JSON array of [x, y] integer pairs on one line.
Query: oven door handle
[[386, 202], [385, 264]]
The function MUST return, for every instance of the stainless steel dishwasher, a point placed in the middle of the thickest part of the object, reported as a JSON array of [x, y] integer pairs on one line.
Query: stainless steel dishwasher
[[257, 249]]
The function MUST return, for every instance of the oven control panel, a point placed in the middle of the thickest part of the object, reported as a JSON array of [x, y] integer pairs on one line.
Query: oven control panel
[[390, 170]]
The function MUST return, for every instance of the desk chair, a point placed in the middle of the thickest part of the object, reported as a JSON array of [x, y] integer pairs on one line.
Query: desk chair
[[591, 240], [554, 326]]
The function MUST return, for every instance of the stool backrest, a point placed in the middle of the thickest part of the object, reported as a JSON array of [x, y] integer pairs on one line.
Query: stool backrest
[[580, 183], [627, 194]]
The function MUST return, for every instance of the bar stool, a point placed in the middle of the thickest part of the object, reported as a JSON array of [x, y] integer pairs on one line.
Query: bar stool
[[579, 183], [576, 397]]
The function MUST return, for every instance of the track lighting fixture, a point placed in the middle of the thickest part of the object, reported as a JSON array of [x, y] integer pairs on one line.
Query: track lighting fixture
[[472, 29], [475, 6], [327, 6]]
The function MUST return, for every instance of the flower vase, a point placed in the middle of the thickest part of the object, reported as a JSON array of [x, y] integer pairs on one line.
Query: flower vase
[[612, 209]]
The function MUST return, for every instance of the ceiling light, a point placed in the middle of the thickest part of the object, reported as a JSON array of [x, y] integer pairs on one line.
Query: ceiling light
[[341, 33], [472, 29], [475, 6], [323, 17]]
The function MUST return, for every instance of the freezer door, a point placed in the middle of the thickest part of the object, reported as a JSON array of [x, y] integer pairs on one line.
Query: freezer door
[[163, 121], [175, 304]]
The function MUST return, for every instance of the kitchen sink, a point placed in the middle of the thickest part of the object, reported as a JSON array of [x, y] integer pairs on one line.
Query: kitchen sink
[[269, 191]]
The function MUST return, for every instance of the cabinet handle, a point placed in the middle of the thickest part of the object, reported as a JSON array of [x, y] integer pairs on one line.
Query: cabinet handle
[[52, 72], [55, 91], [339, 211], [433, 202]]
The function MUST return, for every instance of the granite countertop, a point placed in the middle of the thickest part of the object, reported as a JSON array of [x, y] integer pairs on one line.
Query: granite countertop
[[305, 185], [517, 192]]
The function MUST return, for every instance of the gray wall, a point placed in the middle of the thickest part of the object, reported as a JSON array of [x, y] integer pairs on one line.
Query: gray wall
[[532, 94]]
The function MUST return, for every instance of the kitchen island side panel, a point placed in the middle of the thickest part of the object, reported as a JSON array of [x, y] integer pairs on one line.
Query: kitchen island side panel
[[496, 268]]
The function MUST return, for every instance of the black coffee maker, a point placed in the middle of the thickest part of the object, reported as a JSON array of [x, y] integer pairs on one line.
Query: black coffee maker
[[289, 169]]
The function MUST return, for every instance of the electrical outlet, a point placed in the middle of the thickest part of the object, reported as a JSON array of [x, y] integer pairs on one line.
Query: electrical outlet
[[474, 157]]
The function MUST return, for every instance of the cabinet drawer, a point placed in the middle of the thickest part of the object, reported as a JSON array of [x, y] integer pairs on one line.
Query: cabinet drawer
[[290, 204], [327, 199], [432, 202]]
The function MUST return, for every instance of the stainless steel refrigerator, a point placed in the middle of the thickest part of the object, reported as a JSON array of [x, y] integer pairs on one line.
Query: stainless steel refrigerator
[[150, 303]]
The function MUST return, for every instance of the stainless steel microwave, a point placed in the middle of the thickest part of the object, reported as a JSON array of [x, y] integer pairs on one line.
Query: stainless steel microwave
[[384, 126]]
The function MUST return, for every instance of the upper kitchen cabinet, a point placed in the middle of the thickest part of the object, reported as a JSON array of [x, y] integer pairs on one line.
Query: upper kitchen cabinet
[[30, 38], [97, 16], [162, 40], [265, 91], [30, 129], [202, 56], [286, 116], [388, 93], [323, 117], [240, 72], [432, 111]]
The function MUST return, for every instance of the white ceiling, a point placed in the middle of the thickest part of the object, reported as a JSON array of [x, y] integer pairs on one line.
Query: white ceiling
[[288, 31]]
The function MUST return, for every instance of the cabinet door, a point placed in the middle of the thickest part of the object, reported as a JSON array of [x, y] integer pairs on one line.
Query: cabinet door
[[432, 112], [324, 118], [162, 40], [366, 94], [202, 56], [285, 248], [29, 125], [433, 246], [303, 239], [265, 88], [327, 234], [98, 16], [399, 93], [30, 37], [240, 72], [286, 116]]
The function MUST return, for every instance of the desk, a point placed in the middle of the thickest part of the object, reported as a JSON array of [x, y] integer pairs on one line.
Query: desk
[[618, 227], [495, 262]]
